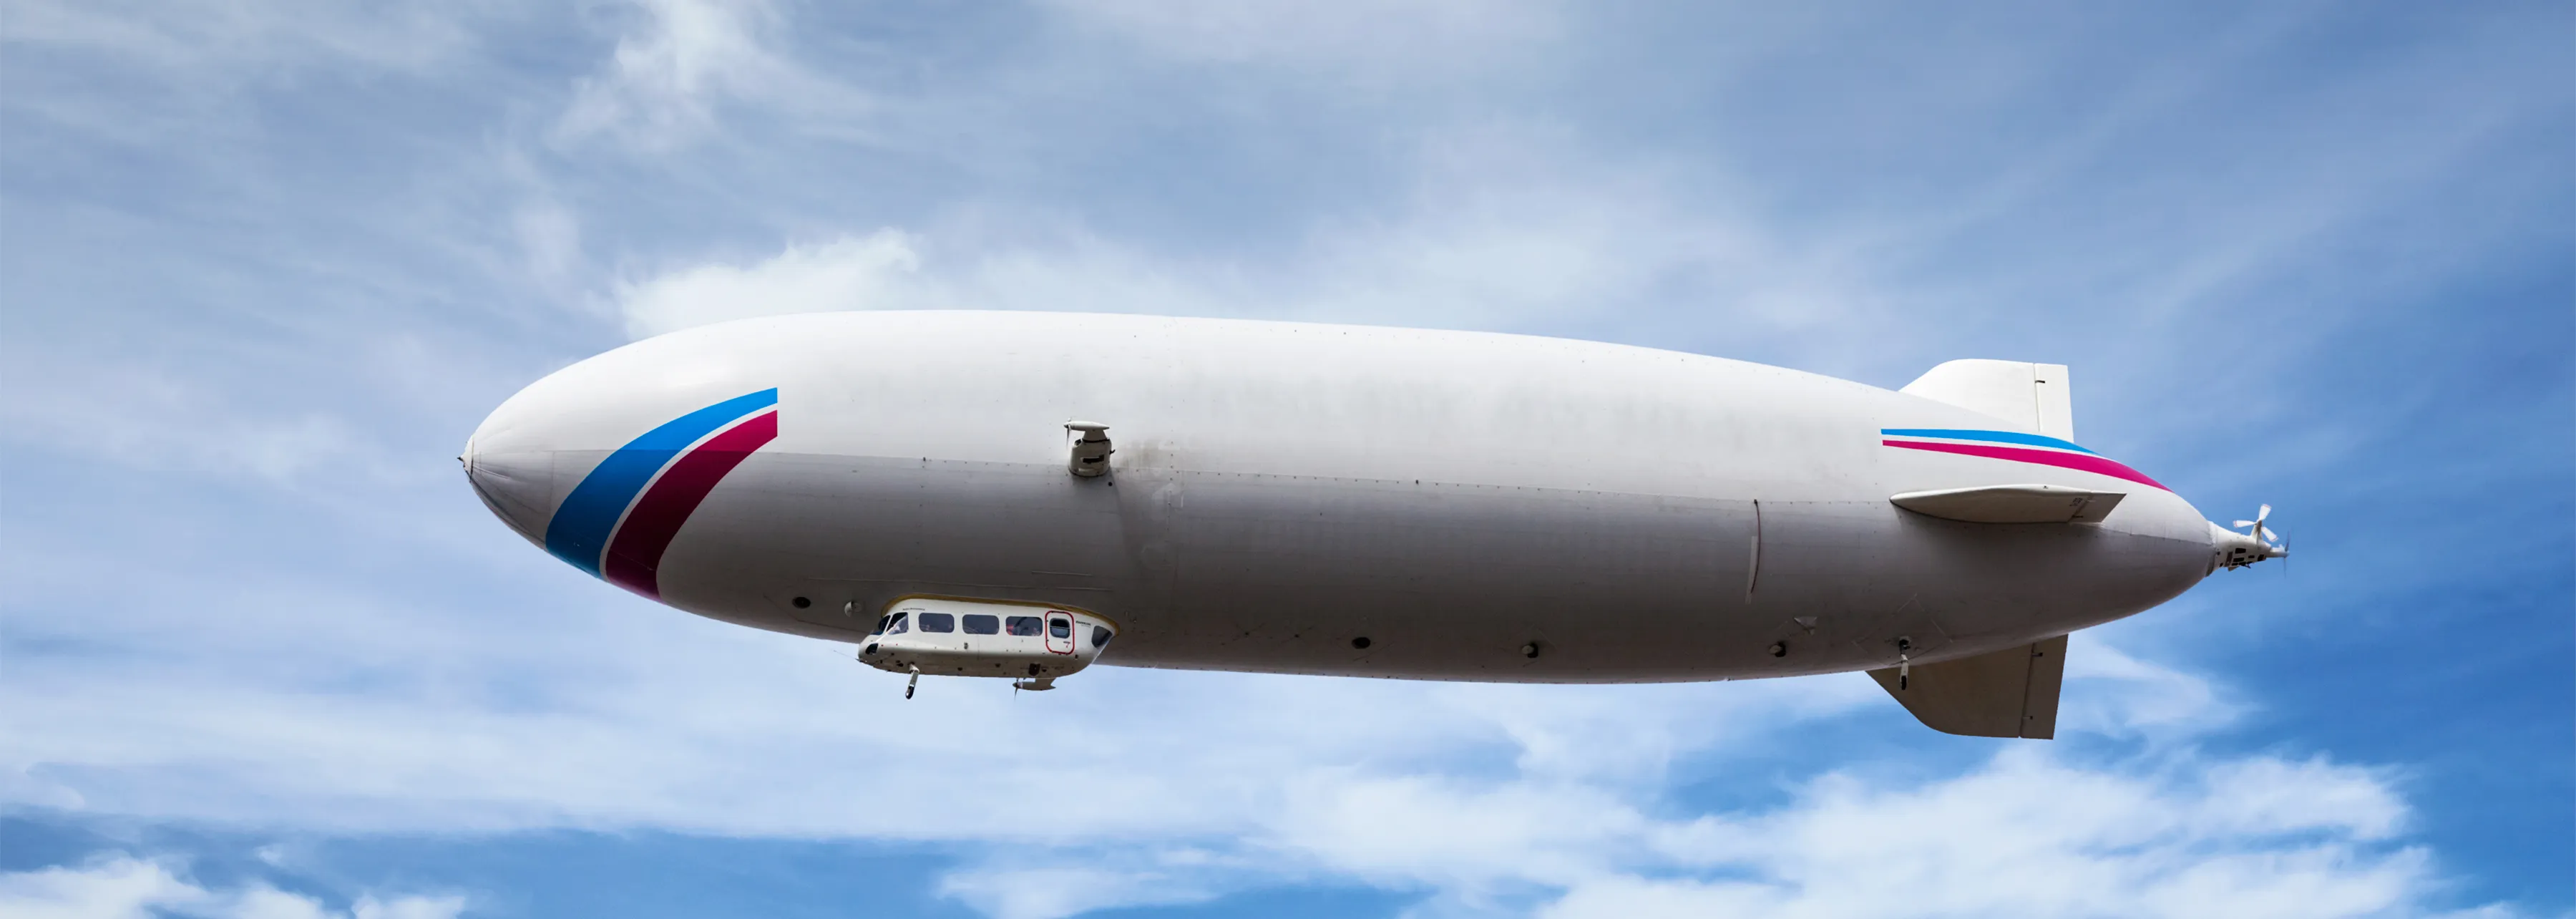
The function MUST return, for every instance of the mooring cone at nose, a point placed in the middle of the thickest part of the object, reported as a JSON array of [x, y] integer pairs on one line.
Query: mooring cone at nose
[[515, 487]]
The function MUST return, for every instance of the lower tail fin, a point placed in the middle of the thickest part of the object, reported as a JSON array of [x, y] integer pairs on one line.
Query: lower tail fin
[[2007, 693]]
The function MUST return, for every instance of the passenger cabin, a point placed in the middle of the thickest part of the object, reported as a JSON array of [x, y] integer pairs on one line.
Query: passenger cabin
[[944, 637]]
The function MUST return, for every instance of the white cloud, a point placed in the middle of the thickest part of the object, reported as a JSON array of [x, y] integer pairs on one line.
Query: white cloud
[[877, 271], [1167, 787], [370, 907], [271, 903], [121, 886], [2028, 835], [2145, 699], [1505, 226], [1049, 892], [2023, 834], [667, 80], [108, 889]]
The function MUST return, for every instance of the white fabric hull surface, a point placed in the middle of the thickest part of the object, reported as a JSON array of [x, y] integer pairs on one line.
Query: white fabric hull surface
[[1319, 499]]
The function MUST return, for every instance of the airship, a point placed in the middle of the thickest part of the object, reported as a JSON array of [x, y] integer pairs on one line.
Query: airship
[[1018, 495]]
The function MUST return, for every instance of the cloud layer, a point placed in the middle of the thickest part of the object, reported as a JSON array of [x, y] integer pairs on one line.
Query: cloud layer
[[119, 887]]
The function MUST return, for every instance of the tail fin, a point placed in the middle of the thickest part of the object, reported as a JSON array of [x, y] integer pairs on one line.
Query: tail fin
[[2032, 397], [2007, 693]]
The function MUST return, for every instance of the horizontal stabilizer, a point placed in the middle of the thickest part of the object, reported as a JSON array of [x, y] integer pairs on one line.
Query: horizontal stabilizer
[[2012, 504], [2007, 693]]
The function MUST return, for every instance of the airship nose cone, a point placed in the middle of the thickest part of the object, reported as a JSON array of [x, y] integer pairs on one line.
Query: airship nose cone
[[517, 485], [515, 489]]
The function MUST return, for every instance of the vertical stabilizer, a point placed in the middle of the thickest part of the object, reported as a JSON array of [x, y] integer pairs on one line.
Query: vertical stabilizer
[[2031, 397]]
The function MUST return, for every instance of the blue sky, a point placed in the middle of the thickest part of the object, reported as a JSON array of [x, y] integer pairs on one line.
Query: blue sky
[[264, 266]]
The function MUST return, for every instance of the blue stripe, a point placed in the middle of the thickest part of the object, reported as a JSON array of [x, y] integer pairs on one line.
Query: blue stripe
[[581, 525], [2001, 437]]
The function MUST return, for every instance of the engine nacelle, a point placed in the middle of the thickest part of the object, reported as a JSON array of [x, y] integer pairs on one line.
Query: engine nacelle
[[1020, 641]]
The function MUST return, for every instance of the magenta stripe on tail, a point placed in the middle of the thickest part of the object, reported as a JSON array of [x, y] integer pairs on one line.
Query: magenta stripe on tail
[[2082, 461]]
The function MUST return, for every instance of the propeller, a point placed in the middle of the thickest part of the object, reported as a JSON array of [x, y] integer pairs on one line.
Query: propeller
[[2275, 545], [2263, 535]]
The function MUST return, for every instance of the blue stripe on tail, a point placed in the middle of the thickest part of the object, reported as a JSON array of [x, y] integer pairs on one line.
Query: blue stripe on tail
[[2001, 437]]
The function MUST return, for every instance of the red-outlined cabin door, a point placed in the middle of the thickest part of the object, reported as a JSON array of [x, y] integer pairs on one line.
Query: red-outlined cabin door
[[1059, 632]]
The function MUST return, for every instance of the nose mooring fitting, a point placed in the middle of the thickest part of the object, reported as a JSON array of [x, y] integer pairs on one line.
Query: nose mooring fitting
[[1090, 451]]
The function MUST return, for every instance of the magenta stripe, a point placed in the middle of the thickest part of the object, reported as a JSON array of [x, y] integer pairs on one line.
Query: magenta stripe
[[635, 554], [2077, 461]]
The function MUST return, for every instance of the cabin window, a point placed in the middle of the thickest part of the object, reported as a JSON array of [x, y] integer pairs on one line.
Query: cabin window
[[881, 624], [1025, 625], [896, 625], [983, 624], [1061, 628], [938, 622], [1099, 636]]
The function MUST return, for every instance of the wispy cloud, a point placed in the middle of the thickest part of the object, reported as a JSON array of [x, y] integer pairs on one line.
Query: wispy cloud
[[1504, 227], [683, 61], [149, 418], [121, 886], [1375, 39], [210, 38]]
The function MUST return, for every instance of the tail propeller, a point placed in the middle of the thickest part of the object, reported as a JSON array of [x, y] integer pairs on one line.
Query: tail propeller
[[2269, 537], [2260, 543]]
